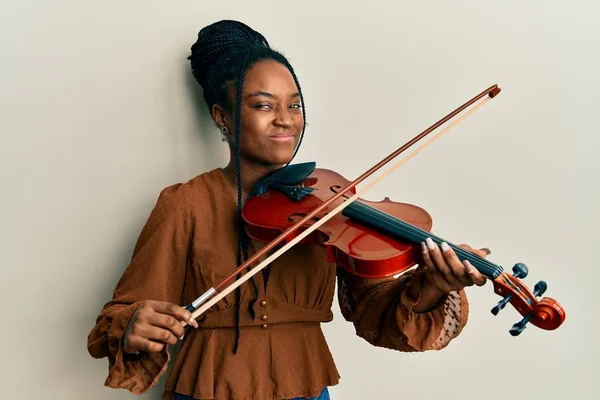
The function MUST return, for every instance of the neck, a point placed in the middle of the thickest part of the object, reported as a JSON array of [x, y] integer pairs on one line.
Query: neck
[[251, 174]]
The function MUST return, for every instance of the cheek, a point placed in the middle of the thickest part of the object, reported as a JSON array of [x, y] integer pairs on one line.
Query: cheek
[[254, 129], [299, 120], [256, 125]]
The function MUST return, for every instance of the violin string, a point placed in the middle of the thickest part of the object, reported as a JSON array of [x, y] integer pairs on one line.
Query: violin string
[[418, 235], [395, 225]]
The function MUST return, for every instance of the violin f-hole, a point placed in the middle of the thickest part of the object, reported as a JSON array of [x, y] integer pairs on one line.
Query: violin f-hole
[[292, 217], [336, 188]]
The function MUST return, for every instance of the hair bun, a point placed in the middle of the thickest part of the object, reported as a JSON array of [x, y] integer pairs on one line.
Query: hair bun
[[219, 39]]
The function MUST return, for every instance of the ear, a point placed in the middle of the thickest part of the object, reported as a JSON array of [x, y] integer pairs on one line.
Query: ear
[[220, 116]]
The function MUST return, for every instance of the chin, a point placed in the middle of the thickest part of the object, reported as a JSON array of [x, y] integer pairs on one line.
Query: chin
[[282, 154], [280, 157]]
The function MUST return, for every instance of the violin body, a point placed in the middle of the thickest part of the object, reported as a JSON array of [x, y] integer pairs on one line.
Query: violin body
[[360, 248]]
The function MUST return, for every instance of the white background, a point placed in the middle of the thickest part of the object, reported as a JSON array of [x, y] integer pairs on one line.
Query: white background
[[99, 112]]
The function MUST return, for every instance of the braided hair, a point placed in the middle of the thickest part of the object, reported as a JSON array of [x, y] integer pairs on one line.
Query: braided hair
[[219, 59]]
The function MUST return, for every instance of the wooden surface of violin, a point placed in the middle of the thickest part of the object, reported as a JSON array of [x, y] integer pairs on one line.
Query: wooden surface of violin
[[359, 247]]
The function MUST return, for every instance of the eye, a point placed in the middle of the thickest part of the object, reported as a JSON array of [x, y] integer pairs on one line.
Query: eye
[[263, 106], [296, 105]]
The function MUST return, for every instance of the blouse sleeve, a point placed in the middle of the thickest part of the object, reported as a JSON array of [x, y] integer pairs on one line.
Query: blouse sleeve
[[155, 272], [382, 312]]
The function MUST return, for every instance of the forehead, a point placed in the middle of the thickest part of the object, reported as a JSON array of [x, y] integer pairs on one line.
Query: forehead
[[269, 76]]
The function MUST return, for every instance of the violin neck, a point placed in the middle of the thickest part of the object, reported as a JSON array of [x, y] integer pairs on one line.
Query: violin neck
[[401, 229]]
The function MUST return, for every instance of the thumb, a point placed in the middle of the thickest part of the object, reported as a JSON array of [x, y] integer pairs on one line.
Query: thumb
[[483, 252]]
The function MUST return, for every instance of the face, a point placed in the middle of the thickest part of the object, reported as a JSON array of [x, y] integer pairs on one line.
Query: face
[[271, 115]]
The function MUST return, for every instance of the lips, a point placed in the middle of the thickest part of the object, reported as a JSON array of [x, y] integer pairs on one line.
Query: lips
[[283, 137]]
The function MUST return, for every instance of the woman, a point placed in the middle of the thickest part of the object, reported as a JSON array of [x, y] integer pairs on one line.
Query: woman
[[265, 340]]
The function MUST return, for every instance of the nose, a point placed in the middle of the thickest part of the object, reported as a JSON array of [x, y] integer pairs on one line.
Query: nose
[[283, 118]]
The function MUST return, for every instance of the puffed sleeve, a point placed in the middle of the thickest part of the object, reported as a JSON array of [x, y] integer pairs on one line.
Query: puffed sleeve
[[156, 272], [382, 312]]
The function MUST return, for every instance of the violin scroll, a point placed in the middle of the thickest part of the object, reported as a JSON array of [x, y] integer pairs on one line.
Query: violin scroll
[[545, 313]]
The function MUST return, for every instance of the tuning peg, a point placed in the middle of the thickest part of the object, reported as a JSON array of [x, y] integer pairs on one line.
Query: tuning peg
[[501, 304], [519, 326], [540, 288], [520, 270]]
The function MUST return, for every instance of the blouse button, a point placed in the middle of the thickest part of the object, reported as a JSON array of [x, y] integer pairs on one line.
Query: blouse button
[[263, 303], [264, 317], [264, 326]]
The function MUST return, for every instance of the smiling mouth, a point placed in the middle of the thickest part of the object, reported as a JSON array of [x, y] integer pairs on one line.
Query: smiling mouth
[[283, 137]]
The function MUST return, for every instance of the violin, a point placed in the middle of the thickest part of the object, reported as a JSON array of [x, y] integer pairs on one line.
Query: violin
[[304, 204], [380, 239]]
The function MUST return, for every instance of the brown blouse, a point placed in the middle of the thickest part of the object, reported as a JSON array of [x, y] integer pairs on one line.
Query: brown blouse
[[188, 245]]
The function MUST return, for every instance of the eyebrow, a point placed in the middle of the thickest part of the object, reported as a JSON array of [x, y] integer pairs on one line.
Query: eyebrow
[[267, 94]]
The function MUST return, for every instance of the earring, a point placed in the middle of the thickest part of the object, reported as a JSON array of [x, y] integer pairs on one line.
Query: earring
[[224, 130]]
